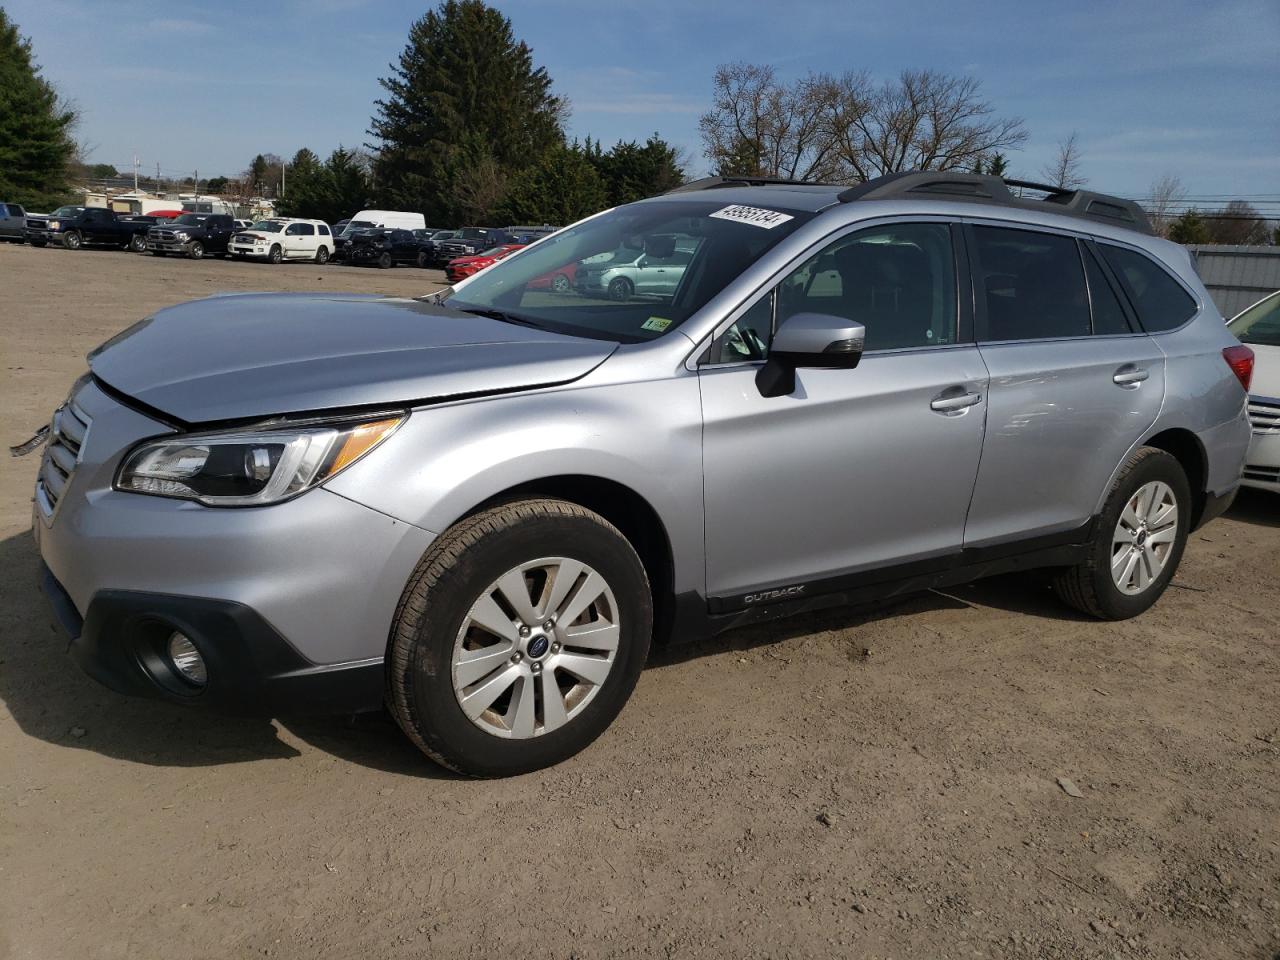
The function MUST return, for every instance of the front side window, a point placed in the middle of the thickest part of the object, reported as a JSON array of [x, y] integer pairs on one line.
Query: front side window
[[1161, 302], [15, 211], [301, 230], [1260, 323], [1031, 285], [632, 274]]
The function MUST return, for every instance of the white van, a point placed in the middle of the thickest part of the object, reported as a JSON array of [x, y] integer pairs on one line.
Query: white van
[[397, 219]]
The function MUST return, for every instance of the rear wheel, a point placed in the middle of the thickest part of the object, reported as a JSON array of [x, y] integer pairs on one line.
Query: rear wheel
[[276, 254], [1138, 540], [322, 255], [385, 261], [560, 283], [519, 638], [423, 261], [137, 243]]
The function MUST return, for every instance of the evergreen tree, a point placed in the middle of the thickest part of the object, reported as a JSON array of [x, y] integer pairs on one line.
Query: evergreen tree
[[632, 172], [35, 127], [561, 188], [327, 191], [1190, 228], [464, 89]]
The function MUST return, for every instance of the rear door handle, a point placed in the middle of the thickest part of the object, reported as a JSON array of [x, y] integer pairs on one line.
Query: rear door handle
[[1130, 376], [948, 402]]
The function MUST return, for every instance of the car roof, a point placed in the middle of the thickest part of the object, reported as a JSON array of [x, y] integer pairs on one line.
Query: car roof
[[807, 198]]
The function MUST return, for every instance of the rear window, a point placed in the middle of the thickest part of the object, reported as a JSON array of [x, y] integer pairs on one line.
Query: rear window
[[1031, 284], [1161, 302]]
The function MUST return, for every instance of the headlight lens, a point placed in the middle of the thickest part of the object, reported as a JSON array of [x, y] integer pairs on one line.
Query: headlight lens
[[180, 235], [250, 468]]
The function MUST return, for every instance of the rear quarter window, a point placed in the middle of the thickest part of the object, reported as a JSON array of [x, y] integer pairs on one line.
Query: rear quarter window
[[1161, 302]]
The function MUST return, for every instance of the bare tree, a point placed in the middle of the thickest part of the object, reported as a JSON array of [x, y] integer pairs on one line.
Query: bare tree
[[1237, 223], [1167, 194], [760, 127], [1064, 170], [479, 189]]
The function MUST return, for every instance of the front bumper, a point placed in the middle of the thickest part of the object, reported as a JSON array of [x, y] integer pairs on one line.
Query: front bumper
[[1262, 465], [295, 596], [244, 250], [170, 246]]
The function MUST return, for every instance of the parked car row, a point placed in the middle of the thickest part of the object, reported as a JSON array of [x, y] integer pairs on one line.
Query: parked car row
[[383, 238]]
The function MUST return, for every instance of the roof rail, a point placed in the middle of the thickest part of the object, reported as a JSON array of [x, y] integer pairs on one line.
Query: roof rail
[[710, 183], [988, 189]]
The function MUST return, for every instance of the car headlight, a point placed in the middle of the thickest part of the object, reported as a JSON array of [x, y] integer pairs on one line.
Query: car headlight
[[250, 468], [54, 224], [181, 235]]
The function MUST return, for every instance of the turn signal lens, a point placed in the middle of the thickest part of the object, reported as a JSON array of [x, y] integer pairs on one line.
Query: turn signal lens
[[1240, 359], [360, 441]]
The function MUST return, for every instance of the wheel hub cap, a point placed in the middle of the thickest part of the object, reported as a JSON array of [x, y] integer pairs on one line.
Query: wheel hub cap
[[535, 648], [1144, 537]]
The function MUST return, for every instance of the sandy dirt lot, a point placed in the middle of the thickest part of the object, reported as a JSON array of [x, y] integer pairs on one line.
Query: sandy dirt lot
[[868, 783]]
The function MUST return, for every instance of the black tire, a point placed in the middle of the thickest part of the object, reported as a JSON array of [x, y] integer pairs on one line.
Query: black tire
[[276, 255], [137, 243], [322, 255], [385, 261], [423, 262], [620, 288], [196, 250], [1089, 586], [72, 240], [560, 283], [448, 580]]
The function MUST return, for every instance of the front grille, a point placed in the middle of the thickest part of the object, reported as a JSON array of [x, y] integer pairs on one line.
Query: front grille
[[1264, 415], [67, 432], [1265, 474], [37, 224], [161, 236]]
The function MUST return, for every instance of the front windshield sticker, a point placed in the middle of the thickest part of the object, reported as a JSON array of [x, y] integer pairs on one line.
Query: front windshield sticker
[[657, 324], [755, 216]]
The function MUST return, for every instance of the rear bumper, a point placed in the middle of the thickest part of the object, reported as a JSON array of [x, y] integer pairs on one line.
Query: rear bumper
[[253, 670]]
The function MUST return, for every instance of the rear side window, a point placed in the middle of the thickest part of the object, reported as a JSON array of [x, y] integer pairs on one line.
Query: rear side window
[[1161, 302], [1031, 284], [301, 230], [1108, 315]]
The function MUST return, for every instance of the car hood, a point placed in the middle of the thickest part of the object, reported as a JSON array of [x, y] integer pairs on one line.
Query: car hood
[[249, 356], [1266, 370]]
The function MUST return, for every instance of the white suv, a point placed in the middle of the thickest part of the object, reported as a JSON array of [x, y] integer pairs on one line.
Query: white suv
[[283, 239]]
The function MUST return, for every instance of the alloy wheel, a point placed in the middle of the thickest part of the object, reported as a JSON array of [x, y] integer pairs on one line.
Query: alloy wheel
[[1144, 537], [535, 648]]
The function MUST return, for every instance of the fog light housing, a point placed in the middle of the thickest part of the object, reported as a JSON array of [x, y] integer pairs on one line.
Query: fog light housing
[[186, 659]]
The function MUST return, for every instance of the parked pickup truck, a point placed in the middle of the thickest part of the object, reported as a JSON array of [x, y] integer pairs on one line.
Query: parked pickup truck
[[192, 235], [75, 227]]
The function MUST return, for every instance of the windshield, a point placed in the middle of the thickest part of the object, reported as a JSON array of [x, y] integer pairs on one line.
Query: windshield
[[633, 273], [269, 226], [68, 212], [444, 235], [1260, 323], [191, 219], [355, 225]]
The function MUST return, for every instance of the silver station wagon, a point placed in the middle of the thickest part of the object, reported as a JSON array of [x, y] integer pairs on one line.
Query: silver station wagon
[[481, 508]]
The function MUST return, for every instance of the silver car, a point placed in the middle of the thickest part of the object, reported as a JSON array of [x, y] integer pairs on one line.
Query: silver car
[[650, 269], [481, 508]]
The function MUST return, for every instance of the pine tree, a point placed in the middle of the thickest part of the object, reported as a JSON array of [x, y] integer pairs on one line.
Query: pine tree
[[632, 172], [1190, 228], [463, 89], [563, 187], [35, 127]]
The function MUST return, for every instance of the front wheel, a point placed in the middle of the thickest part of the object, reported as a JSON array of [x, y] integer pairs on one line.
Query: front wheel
[[1137, 543], [620, 288], [276, 254], [322, 255], [72, 240], [519, 638], [196, 250], [385, 261]]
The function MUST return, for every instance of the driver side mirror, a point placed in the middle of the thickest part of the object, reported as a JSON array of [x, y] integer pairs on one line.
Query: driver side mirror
[[809, 340]]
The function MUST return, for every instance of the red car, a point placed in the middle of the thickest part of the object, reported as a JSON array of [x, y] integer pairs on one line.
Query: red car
[[560, 279], [464, 267]]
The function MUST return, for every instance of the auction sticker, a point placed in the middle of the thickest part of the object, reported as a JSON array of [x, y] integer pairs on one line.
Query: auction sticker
[[657, 324], [754, 216]]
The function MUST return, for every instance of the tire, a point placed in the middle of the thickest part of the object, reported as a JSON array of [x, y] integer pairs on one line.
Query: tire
[[620, 288], [1091, 587], [196, 250], [72, 240], [322, 255], [385, 261], [423, 262], [560, 283], [137, 243], [276, 255], [433, 621]]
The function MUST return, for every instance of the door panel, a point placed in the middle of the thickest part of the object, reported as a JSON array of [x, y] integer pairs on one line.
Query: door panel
[[854, 471], [1058, 425]]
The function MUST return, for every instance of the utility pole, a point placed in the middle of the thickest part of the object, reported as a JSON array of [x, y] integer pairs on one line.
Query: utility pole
[[283, 168], [197, 179], [135, 173], [157, 176]]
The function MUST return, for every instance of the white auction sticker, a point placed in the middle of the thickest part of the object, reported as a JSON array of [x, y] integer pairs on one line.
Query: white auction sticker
[[755, 216]]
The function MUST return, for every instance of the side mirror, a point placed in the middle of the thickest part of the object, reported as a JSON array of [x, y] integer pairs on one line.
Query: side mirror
[[809, 340]]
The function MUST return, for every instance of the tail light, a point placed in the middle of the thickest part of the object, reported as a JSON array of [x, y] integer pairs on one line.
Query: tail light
[[1240, 359]]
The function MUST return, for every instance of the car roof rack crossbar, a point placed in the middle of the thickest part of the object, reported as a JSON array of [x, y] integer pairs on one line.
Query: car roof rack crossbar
[[711, 183], [989, 189]]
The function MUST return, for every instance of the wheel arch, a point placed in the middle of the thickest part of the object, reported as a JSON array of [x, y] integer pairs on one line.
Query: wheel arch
[[1185, 447], [629, 511]]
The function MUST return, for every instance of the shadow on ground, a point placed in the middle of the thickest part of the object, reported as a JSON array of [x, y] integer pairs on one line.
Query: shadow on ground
[[1259, 507]]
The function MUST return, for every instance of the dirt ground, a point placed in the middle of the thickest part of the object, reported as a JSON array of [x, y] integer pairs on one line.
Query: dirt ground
[[869, 783]]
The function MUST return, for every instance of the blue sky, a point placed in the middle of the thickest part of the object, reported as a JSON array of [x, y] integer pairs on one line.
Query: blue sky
[[1188, 88]]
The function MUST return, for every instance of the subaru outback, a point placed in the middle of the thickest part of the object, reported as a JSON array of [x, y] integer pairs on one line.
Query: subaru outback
[[481, 507]]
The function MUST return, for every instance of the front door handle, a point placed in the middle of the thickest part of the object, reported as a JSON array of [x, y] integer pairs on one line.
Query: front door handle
[[1130, 376], [949, 402]]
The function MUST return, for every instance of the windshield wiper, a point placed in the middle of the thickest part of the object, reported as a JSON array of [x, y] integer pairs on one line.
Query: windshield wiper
[[501, 315]]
